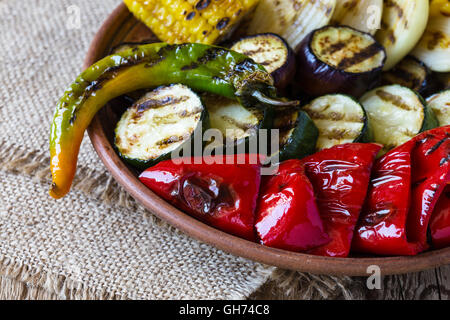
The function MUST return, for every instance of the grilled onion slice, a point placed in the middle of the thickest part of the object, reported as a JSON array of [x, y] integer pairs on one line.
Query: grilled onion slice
[[434, 46], [271, 51], [159, 123], [402, 25], [363, 15], [339, 59], [292, 20]]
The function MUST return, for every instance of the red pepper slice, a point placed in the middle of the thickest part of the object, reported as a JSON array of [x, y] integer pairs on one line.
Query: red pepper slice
[[340, 176], [219, 190], [430, 174], [440, 221], [406, 184], [287, 216], [381, 227]]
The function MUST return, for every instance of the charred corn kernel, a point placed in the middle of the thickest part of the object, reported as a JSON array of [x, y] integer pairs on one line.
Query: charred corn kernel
[[203, 21], [439, 7]]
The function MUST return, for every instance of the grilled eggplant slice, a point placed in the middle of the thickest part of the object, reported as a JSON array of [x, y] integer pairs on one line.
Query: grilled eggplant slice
[[340, 119], [363, 15], [396, 114], [443, 80], [410, 73], [236, 123], [440, 104], [297, 133], [292, 20], [434, 46], [159, 123], [271, 51], [402, 25], [339, 59]]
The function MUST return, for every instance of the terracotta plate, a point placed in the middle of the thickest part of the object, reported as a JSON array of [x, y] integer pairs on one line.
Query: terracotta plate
[[122, 27]]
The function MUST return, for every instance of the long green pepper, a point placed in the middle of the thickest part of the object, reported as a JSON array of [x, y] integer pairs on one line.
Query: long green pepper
[[200, 67]]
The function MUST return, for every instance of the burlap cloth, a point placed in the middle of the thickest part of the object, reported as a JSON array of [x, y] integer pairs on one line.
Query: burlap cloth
[[96, 243]]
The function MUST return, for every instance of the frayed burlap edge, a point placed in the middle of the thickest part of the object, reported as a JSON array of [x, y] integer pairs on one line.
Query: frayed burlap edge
[[100, 185], [18, 281]]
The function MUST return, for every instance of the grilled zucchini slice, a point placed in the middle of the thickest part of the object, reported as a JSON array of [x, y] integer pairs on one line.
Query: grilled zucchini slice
[[440, 104], [297, 133], [159, 123], [236, 123], [292, 20], [339, 59], [402, 26], [363, 15], [271, 51], [340, 119], [434, 46], [396, 114], [410, 73]]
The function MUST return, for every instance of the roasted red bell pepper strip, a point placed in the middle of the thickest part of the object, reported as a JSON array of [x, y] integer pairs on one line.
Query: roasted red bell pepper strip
[[287, 216], [340, 176], [406, 183], [430, 174], [440, 221], [219, 190], [381, 227]]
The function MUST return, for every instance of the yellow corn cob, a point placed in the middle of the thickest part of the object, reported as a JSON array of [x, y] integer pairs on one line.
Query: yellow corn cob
[[439, 7], [202, 21]]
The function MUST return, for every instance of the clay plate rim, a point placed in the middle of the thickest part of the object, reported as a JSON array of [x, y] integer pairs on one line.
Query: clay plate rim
[[226, 242]]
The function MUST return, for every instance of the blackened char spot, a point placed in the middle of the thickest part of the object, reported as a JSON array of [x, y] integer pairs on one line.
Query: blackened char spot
[[191, 66], [424, 139], [381, 212], [245, 65], [222, 23], [437, 145], [444, 160], [73, 118], [360, 56], [211, 54], [190, 16], [393, 4], [202, 4]]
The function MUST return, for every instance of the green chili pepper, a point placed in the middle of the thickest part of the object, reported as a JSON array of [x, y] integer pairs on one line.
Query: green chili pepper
[[201, 67]]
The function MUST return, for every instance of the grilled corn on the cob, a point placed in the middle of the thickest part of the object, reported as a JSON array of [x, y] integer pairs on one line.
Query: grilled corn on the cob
[[202, 21]]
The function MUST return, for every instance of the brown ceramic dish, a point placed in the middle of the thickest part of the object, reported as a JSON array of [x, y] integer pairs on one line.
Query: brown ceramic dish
[[122, 27]]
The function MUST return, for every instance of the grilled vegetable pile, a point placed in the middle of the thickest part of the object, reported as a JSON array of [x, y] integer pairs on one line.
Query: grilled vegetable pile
[[362, 146], [200, 67]]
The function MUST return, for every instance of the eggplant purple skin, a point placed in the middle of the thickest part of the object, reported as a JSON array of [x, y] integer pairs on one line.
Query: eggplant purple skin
[[284, 75], [429, 86], [318, 78]]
